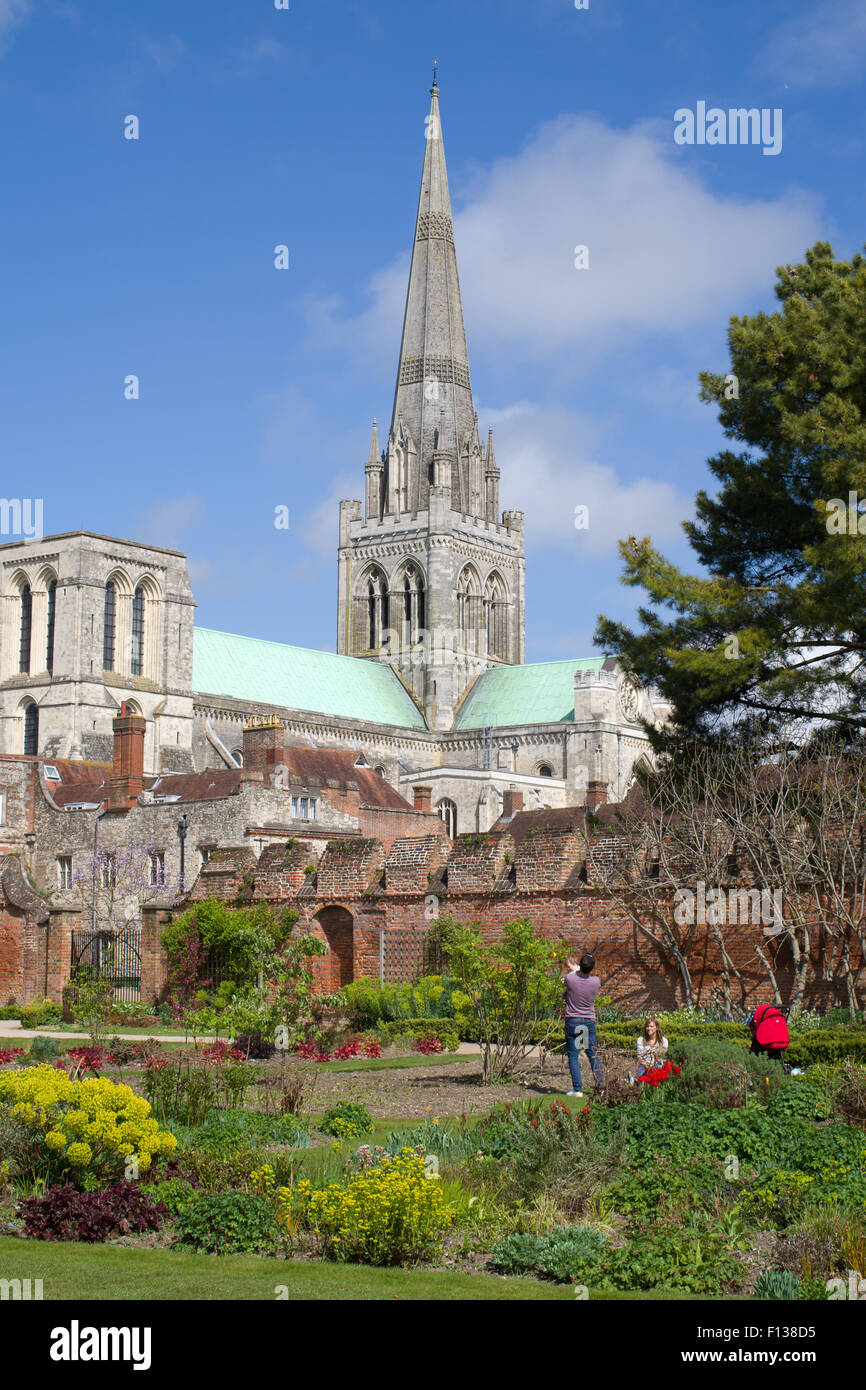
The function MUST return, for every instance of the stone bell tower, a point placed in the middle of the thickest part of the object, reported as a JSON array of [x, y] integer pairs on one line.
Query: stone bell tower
[[431, 580]]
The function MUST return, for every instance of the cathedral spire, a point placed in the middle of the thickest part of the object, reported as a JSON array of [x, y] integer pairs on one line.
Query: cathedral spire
[[433, 393]]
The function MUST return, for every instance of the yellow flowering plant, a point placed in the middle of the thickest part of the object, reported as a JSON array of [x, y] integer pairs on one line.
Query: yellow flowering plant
[[96, 1124], [393, 1212]]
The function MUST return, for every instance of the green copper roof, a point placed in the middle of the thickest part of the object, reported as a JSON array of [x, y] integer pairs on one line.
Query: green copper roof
[[248, 668], [542, 693]]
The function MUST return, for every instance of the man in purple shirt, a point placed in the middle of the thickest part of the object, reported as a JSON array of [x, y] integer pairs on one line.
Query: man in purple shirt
[[581, 988]]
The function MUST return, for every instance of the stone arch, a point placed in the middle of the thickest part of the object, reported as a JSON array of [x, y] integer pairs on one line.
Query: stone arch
[[371, 610], [495, 615], [44, 613], [29, 715], [116, 620], [408, 609], [144, 649], [337, 926], [446, 810], [17, 624], [470, 613]]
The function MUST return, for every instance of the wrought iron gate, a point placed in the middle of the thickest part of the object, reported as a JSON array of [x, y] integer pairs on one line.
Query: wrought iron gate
[[111, 956]]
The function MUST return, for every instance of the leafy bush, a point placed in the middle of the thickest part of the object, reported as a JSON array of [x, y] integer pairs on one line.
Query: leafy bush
[[173, 1194], [225, 1131], [123, 1050], [675, 1257], [431, 997], [94, 1124], [255, 1047], [389, 1214], [722, 1075], [228, 1223], [64, 1213], [39, 1012], [43, 1049], [777, 1284], [9, 1054], [428, 1047], [347, 1112], [442, 1030], [571, 1253], [10, 1011]]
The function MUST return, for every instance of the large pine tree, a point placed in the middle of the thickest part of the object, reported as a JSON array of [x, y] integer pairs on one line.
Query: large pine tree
[[775, 630]]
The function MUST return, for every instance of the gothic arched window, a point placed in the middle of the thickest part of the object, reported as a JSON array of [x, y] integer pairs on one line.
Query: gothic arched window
[[26, 629], [138, 632], [447, 812], [378, 610], [49, 634], [469, 615], [109, 625], [494, 617], [414, 613], [31, 730]]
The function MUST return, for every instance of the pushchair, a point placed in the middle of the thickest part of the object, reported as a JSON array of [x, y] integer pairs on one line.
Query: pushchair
[[768, 1025]]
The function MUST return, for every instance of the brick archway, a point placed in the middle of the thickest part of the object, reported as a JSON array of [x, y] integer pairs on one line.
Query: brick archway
[[337, 927]]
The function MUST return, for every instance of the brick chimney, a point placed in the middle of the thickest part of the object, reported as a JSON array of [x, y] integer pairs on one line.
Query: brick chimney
[[263, 743], [596, 794], [127, 770], [512, 802], [423, 798]]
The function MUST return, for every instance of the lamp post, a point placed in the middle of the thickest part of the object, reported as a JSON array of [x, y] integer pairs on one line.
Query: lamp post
[[182, 828]]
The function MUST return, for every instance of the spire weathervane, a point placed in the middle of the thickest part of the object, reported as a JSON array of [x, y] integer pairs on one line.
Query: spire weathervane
[[435, 66]]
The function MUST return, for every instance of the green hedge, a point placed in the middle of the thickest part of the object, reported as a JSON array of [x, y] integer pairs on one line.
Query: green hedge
[[808, 1046], [442, 1029]]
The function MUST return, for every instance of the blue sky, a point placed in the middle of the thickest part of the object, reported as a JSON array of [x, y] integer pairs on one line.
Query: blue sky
[[306, 127]]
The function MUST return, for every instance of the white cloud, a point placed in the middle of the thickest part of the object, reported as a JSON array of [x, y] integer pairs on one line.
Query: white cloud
[[665, 251], [823, 43], [547, 470], [12, 14]]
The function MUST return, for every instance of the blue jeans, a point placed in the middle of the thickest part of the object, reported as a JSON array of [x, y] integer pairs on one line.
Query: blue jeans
[[580, 1032]]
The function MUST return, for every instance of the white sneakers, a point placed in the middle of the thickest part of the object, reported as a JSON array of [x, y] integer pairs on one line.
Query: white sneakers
[[575, 1093]]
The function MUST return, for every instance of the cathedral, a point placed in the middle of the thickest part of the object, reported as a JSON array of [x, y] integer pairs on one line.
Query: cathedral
[[428, 685]]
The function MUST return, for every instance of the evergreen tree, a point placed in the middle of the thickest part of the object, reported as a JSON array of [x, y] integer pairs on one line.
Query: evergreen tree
[[775, 630]]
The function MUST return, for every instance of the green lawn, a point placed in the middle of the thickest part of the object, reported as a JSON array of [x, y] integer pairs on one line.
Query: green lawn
[[109, 1272]]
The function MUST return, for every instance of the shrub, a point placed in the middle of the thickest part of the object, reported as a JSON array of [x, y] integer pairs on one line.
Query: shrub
[[228, 1223], [94, 1124], [777, 1284], [64, 1213], [571, 1253], [429, 1047], [433, 1138], [443, 1030], [256, 1047], [174, 1194], [347, 1112], [43, 1049], [10, 1011], [224, 1131], [123, 1050], [676, 1257], [39, 1012], [8, 1054], [722, 1075], [389, 1214]]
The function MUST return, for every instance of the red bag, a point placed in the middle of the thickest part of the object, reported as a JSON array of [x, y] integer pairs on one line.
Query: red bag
[[770, 1027]]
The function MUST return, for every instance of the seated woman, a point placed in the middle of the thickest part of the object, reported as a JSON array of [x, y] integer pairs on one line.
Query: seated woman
[[651, 1047]]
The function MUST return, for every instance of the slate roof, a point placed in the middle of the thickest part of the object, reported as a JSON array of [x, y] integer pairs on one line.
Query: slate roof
[[273, 673], [540, 693]]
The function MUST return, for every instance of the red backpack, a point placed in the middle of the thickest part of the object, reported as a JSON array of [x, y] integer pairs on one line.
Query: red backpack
[[770, 1027]]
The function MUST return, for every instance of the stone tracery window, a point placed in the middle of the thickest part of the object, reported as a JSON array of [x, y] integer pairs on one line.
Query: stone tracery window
[[446, 810], [25, 629], [470, 618], [495, 612]]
